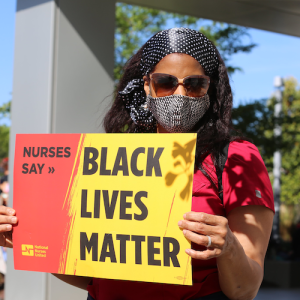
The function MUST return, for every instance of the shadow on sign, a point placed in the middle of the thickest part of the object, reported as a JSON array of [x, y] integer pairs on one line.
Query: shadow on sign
[[183, 159]]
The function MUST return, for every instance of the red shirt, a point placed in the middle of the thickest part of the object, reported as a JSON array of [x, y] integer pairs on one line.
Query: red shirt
[[245, 182]]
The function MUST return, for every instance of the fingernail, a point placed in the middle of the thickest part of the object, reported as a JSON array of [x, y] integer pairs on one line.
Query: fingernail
[[184, 231], [8, 227], [14, 220], [11, 211], [184, 216], [180, 223], [188, 251]]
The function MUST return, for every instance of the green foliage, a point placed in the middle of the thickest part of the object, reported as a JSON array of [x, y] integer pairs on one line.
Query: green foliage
[[5, 110], [253, 120], [4, 130], [256, 121], [290, 191], [4, 138], [229, 40], [135, 25]]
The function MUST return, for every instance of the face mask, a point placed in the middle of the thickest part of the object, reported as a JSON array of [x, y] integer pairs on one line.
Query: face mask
[[178, 113]]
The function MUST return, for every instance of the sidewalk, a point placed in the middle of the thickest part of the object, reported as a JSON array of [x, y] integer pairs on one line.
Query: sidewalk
[[278, 294]]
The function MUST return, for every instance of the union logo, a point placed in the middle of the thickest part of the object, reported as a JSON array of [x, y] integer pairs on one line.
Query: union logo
[[27, 250]]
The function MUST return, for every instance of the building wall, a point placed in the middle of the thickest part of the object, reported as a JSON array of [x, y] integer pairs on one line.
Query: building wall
[[63, 81]]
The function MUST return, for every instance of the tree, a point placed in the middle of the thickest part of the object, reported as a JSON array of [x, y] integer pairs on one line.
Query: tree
[[135, 25], [256, 121], [4, 130], [290, 146], [4, 138]]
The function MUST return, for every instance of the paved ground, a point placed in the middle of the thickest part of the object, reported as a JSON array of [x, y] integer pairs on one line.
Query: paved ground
[[278, 294]]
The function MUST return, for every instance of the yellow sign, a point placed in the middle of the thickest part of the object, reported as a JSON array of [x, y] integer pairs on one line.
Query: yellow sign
[[113, 202]]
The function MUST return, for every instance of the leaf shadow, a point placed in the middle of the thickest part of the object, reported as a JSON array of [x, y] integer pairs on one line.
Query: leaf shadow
[[183, 156]]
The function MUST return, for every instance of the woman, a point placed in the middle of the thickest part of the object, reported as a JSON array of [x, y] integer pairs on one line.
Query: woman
[[177, 82]]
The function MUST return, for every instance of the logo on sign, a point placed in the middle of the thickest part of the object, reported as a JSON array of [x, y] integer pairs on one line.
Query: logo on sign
[[27, 250]]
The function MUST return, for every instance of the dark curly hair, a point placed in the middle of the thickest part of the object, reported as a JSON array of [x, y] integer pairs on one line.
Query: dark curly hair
[[214, 129]]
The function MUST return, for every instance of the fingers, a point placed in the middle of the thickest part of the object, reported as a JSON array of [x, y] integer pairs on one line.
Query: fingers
[[203, 240], [219, 229], [7, 218], [198, 227], [198, 239], [6, 239], [7, 211], [5, 228], [203, 255], [205, 218]]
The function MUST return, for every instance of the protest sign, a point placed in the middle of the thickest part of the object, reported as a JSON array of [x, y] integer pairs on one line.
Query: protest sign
[[104, 205]]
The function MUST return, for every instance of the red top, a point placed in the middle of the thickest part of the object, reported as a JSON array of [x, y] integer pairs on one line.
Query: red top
[[245, 182]]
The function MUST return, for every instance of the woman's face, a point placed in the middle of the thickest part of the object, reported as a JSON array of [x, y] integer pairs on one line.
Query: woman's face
[[179, 65]]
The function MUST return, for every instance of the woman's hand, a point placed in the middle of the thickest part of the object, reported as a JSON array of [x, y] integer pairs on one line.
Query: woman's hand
[[239, 244], [197, 226], [7, 220]]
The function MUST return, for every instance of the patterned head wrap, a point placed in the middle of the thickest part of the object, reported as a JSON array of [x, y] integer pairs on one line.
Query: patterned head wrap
[[175, 40]]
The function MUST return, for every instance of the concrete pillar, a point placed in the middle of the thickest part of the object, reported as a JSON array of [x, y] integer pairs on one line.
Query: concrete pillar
[[63, 81]]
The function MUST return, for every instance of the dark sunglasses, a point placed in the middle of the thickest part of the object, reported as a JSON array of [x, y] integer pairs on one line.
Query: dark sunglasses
[[166, 84]]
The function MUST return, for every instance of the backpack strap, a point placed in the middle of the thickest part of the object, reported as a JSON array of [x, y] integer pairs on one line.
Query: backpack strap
[[223, 158]]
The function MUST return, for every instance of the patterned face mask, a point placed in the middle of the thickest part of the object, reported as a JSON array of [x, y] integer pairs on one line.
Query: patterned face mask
[[178, 113]]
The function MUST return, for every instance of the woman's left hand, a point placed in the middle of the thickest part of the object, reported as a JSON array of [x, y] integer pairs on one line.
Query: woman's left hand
[[197, 226]]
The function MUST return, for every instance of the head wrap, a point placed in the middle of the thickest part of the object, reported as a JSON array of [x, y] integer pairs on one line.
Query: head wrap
[[175, 40]]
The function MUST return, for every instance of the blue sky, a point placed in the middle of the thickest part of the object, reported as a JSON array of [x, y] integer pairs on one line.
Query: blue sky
[[7, 27], [275, 55]]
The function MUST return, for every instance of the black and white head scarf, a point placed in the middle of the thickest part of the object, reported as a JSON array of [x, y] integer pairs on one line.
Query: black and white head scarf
[[175, 40]]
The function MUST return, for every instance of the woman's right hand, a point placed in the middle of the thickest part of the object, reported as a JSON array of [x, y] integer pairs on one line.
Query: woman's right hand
[[7, 219]]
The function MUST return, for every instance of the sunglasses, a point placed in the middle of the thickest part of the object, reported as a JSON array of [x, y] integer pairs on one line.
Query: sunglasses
[[166, 84]]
